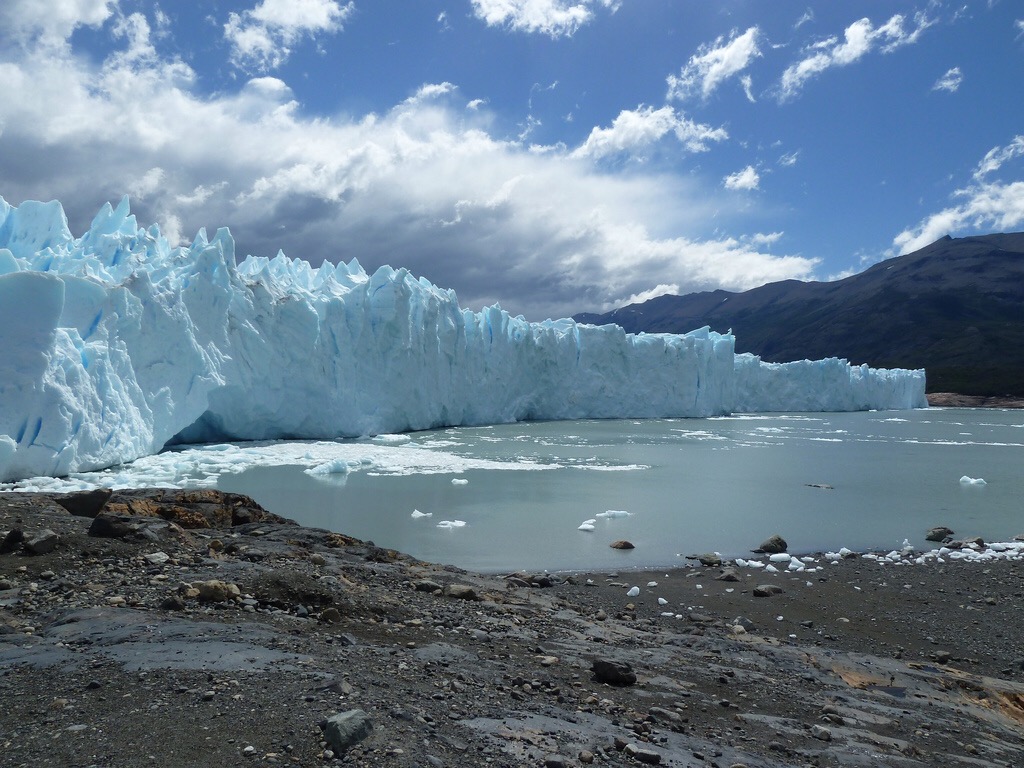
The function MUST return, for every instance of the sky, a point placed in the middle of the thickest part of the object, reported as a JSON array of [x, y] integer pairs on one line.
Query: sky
[[553, 156]]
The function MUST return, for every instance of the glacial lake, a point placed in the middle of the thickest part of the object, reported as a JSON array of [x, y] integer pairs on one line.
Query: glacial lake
[[864, 480], [511, 497]]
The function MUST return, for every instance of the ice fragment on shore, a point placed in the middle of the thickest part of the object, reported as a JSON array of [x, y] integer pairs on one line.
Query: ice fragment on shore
[[662, 601], [965, 480], [633, 592], [780, 557]]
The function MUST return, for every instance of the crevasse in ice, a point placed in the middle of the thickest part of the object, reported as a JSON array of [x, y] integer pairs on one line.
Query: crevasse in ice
[[115, 344]]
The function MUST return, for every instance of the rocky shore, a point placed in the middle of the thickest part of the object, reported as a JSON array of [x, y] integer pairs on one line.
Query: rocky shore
[[188, 628]]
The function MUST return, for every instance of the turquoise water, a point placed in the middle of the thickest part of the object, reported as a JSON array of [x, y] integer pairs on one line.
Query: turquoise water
[[690, 486]]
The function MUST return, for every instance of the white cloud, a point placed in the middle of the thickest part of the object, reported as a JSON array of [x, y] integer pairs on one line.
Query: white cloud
[[555, 18], [715, 63], [950, 81], [260, 38], [859, 39], [51, 23], [652, 293], [635, 129], [746, 179], [986, 205], [789, 159], [427, 184]]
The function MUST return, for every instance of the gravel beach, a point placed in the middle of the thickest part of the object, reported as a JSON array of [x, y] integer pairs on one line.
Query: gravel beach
[[186, 628]]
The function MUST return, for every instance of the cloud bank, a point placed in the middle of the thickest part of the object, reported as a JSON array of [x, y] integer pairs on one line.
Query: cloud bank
[[427, 184]]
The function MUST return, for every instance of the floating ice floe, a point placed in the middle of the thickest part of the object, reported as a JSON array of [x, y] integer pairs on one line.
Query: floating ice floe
[[965, 480], [449, 524], [614, 513], [587, 525], [416, 514], [459, 481]]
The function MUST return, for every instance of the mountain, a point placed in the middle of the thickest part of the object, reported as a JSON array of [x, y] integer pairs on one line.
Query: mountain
[[955, 308]]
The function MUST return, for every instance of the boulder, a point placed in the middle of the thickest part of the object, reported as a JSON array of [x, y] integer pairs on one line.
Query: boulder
[[85, 503], [461, 591], [728, 574], [622, 544], [43, 542], [613, 672], [767, 590], [217, 591], [773, 545], [346, 729], [938, 533]]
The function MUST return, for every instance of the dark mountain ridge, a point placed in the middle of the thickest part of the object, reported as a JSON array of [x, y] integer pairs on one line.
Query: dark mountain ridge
[[955, 308]]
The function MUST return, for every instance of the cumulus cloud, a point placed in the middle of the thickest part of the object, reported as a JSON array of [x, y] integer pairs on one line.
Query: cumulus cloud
[[51, 23], [744, 180], [261, 38], [715, 63], [950, 81], [555, 18], [859, 39], [986, 204], [426, 184], [635, 129]]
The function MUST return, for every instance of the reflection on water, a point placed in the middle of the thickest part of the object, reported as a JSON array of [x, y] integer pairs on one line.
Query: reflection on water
[[691, 485]]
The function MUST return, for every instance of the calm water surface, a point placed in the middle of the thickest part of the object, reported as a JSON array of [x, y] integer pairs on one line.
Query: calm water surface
[[690, 486]]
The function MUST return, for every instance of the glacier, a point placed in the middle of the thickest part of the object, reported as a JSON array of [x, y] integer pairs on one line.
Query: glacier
[[116, 345]]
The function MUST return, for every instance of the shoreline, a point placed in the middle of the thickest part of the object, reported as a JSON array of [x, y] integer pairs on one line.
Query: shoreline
[[201, 629], [956, 400]]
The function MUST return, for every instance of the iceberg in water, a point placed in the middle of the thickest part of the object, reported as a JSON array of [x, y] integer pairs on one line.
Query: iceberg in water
[[115, 345]]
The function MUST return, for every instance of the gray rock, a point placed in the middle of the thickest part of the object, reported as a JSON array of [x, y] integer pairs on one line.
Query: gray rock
[[613, 672], [767, 590], [622, 544], [938, 533], [821, 733], [648, 756], [744, 622], [217, 591], [426, 585], [12, 541], [555, 761], [709, 559], [85, 503], [461, 592], [42, 543], [728, 574], [773, 545], [346, 729]]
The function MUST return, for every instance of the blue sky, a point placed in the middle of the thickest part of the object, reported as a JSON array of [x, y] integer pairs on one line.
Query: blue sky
[[555, 156]]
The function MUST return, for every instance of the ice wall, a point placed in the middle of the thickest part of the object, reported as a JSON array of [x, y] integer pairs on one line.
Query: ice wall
[[115, 344]]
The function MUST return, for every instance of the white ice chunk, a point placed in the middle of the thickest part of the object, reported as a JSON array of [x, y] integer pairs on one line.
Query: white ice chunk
[[416, 514], [449, 524], [965, 480], [586, 526], [614, 513], [633, 592]]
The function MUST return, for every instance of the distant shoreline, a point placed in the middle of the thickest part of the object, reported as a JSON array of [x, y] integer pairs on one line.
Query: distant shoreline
[[955, 400]]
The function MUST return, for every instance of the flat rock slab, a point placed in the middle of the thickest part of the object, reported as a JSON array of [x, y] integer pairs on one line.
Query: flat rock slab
[[143, 641]]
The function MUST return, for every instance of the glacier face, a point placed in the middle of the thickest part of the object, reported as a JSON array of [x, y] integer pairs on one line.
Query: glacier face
[[115, 344]]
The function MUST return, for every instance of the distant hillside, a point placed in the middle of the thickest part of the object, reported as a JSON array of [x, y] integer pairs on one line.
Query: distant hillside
[[955, 308]]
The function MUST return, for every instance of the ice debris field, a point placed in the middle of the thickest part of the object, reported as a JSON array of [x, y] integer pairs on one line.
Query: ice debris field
[[117, 345]]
